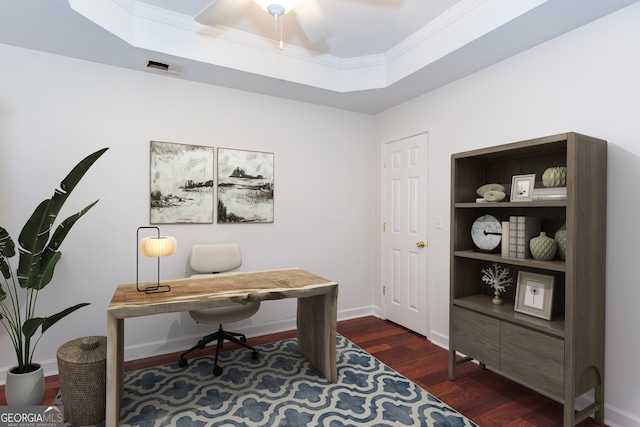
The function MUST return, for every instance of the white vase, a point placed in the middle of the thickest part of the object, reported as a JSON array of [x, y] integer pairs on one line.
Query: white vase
[[25, 389]]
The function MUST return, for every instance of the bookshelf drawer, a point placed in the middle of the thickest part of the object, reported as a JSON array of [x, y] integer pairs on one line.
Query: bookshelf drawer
[[535, 358], [477, 336]]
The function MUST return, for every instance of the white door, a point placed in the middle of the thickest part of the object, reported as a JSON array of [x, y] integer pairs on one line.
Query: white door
[[405, 245]]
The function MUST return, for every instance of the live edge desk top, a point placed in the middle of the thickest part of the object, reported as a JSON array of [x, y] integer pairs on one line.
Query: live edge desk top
[[316, 317]]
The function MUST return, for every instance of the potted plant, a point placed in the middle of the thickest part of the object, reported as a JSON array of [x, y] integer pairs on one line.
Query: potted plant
[[37, 257]]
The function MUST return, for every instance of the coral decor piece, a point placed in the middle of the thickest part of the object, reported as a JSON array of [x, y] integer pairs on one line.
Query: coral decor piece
[[498, 278]]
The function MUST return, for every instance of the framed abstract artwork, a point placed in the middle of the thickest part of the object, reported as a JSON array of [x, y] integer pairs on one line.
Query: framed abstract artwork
[[245, 186], [182, 185]]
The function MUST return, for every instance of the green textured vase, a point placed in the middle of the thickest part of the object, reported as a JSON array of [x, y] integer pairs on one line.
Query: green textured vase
[[561, 241], [555, 177], [543, 247]]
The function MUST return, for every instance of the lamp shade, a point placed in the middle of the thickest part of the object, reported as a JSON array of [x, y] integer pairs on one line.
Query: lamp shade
[[285, 5], [158, 246]]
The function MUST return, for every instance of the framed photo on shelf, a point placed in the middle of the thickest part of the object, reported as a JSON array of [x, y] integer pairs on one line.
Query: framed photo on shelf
[[522, 187], [534, 294]]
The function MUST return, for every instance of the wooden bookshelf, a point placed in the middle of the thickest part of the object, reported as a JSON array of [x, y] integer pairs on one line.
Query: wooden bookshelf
[[562, 357]]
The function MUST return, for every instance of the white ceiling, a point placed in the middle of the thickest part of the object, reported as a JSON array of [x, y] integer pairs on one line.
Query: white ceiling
[[378, 54], [355, 27]]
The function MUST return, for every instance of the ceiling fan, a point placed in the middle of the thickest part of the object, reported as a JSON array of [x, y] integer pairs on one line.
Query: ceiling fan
[[308, 13]]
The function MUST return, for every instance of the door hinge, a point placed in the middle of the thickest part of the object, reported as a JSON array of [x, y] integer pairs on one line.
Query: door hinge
[[384, 290], [384, 226], [384, 163]]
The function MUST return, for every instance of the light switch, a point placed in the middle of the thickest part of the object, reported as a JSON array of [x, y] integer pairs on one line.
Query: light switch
[[438, 221]]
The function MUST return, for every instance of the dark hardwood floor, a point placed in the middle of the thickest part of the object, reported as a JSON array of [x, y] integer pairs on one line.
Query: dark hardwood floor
[[487, 398]]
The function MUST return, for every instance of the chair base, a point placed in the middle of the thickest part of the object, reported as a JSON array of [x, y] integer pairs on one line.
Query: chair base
[[220, 336]]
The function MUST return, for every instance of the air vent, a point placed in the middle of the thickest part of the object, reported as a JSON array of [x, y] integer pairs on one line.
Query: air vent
[[166, 68], [158, 66]]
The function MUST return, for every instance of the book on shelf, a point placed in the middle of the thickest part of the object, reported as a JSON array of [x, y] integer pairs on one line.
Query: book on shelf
[[550, 193], [513, 236], [505, 239], [527, 228]]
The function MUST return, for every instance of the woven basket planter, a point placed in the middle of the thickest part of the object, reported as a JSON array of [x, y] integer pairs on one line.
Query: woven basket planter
[[82, 364]]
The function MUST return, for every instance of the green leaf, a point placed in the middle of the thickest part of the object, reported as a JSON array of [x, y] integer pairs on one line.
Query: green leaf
[[31, 326], [7, 250], [33, 239], [71, 180], [46, 273], [35, 234], [62, 230], [5, 268], [51, 254], [7, 247]]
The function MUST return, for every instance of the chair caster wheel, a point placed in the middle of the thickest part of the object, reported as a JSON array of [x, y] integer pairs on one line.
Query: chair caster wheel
[[255, 355], [217, 371], [183, 362]]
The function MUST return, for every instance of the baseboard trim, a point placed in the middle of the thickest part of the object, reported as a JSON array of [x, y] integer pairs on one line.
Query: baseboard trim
[[157, 348], [614, 417], [440, 340]]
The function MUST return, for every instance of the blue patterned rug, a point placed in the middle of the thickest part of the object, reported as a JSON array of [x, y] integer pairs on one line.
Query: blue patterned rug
[[280, 389]]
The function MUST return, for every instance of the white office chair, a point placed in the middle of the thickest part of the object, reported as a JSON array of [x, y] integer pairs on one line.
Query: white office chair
[[212, 259]]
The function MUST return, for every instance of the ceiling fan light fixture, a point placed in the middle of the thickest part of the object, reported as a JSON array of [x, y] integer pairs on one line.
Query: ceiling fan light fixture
[[277, 8]]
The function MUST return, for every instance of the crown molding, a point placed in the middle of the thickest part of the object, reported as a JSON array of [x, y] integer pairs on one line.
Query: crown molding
[[159, 30]]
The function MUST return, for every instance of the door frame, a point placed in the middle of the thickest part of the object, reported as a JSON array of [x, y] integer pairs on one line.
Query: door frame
[[381, 272]]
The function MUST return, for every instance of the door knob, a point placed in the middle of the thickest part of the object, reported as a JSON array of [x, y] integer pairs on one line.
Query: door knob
[[420, 244]]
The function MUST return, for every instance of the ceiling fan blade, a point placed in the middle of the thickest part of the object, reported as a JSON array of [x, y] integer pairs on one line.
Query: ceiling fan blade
[[217, 11], [311, 18]]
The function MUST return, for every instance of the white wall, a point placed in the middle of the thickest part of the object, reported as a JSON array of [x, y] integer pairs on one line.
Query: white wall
[[55, 110], [585, 81]]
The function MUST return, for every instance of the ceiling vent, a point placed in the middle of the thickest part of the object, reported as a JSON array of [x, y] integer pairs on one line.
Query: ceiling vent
[[167, 68], [158, 66]]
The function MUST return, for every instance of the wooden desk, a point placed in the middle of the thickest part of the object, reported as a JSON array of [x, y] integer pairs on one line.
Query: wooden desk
[[316, 319]]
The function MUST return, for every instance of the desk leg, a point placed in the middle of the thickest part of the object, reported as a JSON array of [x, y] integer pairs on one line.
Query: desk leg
[[317, 316], [115, 369]]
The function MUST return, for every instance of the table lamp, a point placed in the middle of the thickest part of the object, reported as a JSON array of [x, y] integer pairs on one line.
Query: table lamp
[[156, 246]]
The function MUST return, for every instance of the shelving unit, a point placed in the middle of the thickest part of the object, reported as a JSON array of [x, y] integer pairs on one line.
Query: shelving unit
[[562, 357]]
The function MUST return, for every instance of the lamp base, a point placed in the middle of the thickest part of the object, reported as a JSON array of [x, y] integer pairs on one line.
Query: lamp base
[[155, 289]]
